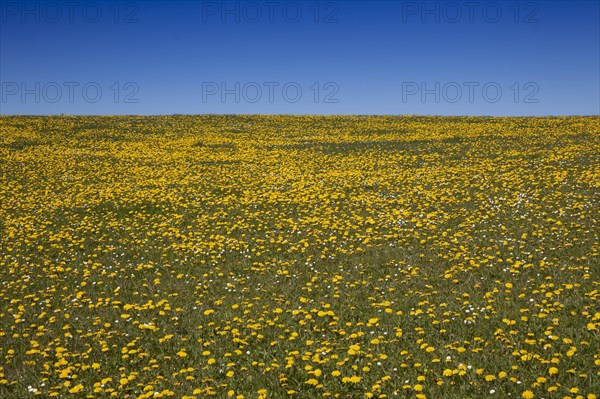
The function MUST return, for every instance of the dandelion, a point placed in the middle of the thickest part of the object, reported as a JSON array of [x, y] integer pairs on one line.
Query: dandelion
[[76, 388]]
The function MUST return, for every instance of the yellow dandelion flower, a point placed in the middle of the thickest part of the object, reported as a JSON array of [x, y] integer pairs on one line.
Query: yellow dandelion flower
[[527, 394], [76, 388]]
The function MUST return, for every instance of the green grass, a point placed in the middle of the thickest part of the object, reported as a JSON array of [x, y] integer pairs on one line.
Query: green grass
[[302, 257]]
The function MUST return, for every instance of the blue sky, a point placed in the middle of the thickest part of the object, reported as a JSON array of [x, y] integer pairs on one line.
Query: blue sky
[[300, 57]]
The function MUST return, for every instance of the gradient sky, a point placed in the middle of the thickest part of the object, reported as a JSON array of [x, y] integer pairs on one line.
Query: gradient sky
[[300, 57]]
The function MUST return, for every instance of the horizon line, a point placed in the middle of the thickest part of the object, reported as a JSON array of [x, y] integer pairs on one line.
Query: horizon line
[[300, 114]]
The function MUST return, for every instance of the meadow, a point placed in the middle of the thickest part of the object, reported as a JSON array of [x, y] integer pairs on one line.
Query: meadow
[[299, 257]]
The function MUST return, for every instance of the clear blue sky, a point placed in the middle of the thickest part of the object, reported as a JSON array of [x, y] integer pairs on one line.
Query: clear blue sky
[[300, 57]]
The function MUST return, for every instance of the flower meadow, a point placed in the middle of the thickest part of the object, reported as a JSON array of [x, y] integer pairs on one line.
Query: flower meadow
[[299, 257]]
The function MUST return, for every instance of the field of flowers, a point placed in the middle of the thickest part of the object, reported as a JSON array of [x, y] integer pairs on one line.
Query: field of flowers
[[299, 256]]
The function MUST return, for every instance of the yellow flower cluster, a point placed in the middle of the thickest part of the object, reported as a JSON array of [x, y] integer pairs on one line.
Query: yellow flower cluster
[[299, 256]]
